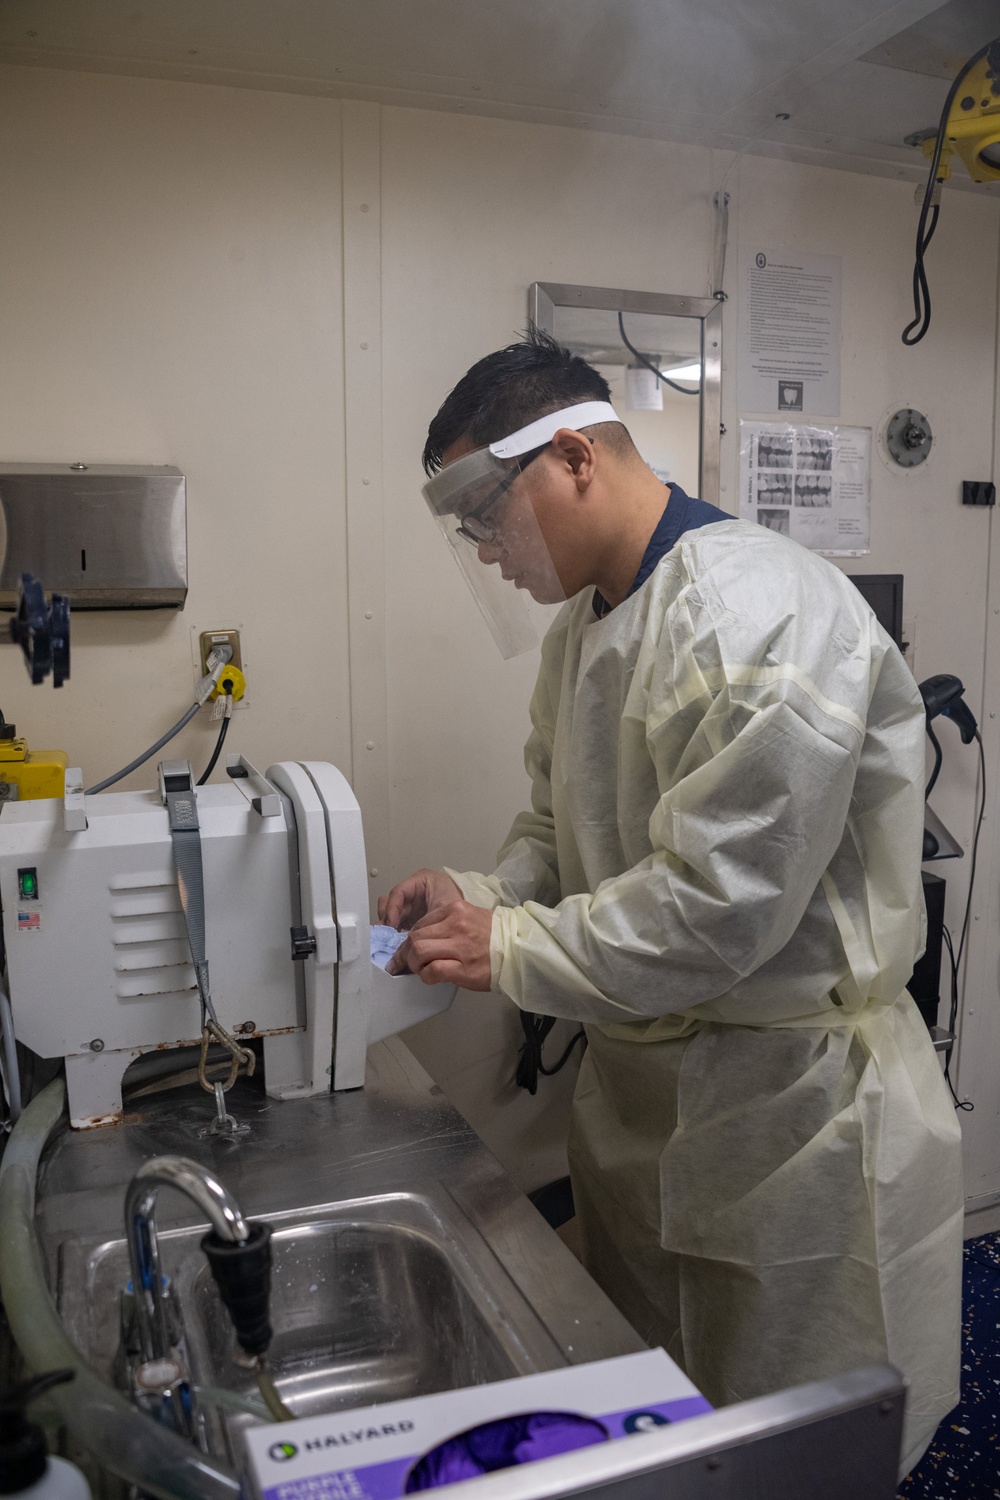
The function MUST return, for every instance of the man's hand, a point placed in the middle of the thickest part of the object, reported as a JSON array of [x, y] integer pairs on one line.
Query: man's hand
[[415, 896], [450, 945]]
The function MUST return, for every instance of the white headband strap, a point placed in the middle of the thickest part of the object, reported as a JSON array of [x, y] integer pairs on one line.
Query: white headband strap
[[537, 434]]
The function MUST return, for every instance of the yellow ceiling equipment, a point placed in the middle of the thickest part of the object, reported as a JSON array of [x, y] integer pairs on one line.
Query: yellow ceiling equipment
[[970, 125], [973, 125]]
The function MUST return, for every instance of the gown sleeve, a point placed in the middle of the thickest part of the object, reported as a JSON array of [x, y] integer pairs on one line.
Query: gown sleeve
[[755, 722]]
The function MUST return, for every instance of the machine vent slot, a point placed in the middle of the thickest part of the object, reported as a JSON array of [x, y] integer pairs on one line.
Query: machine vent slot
[[165, 927], [145, 903], [171, 979], [131, 957], [142, 880]]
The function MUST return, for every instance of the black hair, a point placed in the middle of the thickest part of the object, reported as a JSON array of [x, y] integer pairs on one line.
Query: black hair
[[512, 387]]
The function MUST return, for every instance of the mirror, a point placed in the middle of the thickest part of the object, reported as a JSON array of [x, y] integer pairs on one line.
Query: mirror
[[662, 357]]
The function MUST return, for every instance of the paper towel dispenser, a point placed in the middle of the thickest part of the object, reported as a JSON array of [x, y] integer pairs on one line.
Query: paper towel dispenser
[[111, 536]]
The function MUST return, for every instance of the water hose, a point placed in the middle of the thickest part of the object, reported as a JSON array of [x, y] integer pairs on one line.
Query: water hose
[[12, 1072], [269, 1391], [130, 1444]]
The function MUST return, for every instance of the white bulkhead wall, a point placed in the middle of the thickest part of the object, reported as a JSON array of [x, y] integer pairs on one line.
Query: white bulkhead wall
[[190, 277]]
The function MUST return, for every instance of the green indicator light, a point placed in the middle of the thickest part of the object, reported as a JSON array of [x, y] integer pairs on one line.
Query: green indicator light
[[28, 884]]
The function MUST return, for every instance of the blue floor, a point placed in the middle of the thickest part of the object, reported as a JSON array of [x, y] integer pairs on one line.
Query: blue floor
[[963, 1461]]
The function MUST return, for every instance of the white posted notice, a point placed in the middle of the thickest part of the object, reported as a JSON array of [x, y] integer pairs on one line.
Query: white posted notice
[[809, 483], [789, 336]]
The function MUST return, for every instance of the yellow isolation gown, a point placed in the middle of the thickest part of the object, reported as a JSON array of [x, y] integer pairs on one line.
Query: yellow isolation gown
[[720, 876]]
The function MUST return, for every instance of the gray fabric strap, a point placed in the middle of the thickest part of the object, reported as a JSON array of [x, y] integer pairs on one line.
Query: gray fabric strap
[[185, 834]]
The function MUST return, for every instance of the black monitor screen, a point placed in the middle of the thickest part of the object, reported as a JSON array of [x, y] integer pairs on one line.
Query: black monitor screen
[[884, 593]]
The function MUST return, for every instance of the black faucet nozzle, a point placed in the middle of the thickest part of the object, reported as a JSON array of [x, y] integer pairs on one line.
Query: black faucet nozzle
[[242, 1273]]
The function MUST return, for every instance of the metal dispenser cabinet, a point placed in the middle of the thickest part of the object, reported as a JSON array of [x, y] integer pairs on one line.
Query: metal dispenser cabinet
[[111, 536]]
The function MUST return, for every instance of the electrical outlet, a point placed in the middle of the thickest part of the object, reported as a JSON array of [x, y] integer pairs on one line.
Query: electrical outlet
[[211, 640], [204, 642]]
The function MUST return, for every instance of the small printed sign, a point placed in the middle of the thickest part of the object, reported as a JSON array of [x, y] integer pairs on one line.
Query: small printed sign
[[788, 353]]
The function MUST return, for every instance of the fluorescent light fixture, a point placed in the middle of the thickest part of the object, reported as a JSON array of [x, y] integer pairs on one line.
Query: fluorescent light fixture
[[684, 372]]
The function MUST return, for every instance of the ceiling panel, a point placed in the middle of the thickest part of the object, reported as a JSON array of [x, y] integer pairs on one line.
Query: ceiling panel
[[938, 44], [630, 56], [711, 71]]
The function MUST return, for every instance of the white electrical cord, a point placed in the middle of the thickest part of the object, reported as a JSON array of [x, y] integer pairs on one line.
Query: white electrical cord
[[11, 1073], [204, 689]]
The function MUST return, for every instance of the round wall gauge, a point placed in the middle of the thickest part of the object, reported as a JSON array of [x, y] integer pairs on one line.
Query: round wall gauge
[[908, 437]]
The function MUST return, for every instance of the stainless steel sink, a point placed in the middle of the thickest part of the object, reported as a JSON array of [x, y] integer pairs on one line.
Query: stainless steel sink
[[405, 1261], [362, 1313], [373, 1300]]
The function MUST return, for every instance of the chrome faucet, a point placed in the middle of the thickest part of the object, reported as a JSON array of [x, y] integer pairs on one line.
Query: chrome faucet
[[161, 1383]]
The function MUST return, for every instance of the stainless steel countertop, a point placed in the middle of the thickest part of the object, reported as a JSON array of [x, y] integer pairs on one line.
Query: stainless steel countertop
[[397, 1135]]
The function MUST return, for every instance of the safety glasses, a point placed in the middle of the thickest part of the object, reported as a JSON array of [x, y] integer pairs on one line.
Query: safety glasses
[[473, 528]]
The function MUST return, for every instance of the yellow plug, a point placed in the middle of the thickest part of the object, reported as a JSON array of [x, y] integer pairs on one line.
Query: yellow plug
[[237, 683]]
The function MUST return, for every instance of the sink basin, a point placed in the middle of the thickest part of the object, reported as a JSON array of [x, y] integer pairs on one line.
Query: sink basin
[[362, 1313], [372, 1300], [405, 1261]]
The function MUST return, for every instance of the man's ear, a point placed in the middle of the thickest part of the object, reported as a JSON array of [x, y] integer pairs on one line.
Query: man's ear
[[576, 451]]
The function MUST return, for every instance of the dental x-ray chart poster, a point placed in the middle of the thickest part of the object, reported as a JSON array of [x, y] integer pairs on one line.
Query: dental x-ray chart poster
[[789, 333], [809, 483]]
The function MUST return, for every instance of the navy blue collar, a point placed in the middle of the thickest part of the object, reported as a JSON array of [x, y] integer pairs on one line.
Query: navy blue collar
[[683, 513]]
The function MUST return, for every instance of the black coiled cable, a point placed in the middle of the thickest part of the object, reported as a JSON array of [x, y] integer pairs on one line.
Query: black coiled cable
[[529, 1059]]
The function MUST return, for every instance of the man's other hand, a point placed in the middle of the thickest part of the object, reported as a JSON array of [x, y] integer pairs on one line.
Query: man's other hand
[[415, 896], [450, 945]]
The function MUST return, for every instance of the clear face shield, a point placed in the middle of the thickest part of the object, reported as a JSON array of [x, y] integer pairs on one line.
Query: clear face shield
[[483, 504]]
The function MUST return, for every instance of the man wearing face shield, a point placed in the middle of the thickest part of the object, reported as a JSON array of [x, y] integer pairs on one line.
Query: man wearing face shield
[[720, 877]]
